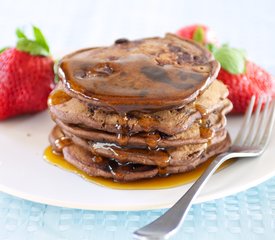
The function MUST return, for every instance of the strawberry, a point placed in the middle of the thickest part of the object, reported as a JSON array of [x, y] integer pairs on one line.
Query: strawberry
[[26, 76], [199, 33], [242, 77], [242, 86]]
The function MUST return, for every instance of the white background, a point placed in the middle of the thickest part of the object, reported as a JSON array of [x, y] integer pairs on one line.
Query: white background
[[69, 25]]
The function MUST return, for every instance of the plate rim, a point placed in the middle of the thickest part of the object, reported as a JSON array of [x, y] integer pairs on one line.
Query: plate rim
[[198, 200]]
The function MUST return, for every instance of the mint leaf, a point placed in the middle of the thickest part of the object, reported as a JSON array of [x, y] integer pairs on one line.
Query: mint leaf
[[39, 38], [20, 34], [31, 47], [231, 59], [3, 49], [198, 35]]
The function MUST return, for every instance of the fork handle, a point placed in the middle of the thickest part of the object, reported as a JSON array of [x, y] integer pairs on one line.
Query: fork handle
[[167, 224]]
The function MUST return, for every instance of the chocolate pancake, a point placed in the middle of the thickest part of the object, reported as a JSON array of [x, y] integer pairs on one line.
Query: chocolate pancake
[[159, 157], [145, 75], [109, 168], [73, 111], [194, 134]]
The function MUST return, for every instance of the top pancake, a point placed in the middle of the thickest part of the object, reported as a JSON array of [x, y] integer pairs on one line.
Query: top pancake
[[146, 75]]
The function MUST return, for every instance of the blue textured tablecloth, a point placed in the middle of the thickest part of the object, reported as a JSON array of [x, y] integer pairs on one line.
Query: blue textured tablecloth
[[246, 215]]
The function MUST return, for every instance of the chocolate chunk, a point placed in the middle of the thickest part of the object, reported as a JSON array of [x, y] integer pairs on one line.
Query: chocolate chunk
[[121, 41]]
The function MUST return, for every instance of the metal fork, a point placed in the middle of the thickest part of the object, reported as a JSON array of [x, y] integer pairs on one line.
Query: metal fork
[[251, 141]]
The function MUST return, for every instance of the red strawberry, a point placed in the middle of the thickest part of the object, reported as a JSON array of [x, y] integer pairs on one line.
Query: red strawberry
[[243, 78], [199, 33], [254, 81], [26, 76]]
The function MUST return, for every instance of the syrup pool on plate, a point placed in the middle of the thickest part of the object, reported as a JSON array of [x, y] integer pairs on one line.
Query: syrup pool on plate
[[154, 183]]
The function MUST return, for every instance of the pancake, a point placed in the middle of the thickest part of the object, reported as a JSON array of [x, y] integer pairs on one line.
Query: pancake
[[144, 75], [139, 109], [109, 168], [192, 135], [160, 157], [74, 111]]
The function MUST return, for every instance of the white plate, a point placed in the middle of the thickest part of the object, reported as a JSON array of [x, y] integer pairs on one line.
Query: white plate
[[25, 174]]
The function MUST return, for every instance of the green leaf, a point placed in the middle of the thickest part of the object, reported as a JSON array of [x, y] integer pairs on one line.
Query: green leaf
[[38, 46], [31, 47], [3, 49], [231, 59], [39, 38], [20, 34], [198, 35]]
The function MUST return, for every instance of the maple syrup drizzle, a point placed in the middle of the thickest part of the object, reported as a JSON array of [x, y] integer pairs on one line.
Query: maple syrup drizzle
[[205, 129], [62, 142], [122, 127], [58, 97], [152, 140], [162, 171], [203, 111], [160, 155], [147, 123], [173, 180], [131, 80], [97, 159]]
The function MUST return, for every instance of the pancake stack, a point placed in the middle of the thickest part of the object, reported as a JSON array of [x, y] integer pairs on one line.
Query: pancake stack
[[139, 109]]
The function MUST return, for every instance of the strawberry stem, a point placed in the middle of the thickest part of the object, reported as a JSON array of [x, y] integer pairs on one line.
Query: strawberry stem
[[36, 46], [20, 34]]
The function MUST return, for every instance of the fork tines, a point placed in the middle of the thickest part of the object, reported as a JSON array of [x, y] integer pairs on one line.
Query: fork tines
[[256, 128]]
